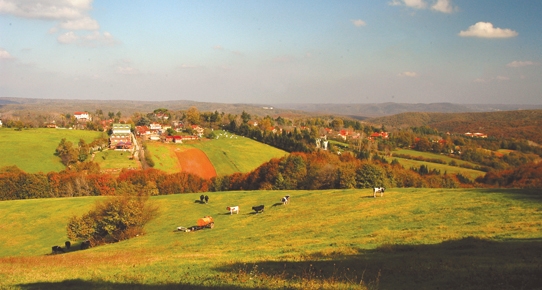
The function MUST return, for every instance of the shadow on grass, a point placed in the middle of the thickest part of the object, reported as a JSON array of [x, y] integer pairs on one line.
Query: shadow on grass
[[521, 194], [469, 263], [82, 284]]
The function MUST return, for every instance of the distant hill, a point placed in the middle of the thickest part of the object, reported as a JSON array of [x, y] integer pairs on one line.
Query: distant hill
[[521, 124], [127, 108], [356, 111], [362, 111]]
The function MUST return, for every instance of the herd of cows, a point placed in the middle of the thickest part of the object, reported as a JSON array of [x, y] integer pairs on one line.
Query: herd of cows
[[209, 223]]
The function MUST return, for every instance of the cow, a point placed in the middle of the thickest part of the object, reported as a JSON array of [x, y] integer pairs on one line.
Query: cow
[[258, 208], [378, 190], [201, 198], [85, 245], [285, 200], [233, 209], [57, 249], [68, 245], [206, 199]]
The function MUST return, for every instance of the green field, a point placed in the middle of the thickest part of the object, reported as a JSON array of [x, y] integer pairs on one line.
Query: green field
[[330, 239], [228, 155], [33, 150], [115, 160], [429, 155]]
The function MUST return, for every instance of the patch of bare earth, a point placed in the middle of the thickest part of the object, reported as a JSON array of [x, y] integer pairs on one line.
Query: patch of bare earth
[[196, 162]]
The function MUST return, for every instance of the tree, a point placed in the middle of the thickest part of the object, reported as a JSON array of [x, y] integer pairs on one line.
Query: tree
[[113, 220], [193, 116]]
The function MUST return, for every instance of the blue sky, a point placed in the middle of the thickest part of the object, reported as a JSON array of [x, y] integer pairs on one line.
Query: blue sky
[[272, 52]]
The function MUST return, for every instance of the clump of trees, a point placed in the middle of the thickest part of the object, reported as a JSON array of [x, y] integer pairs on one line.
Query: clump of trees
[[115, 219]]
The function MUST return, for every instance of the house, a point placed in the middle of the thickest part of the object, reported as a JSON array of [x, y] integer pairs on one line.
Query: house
[[155, 127], [120, 141], [383, 135], [177, 139], [121, 128], [82, 116], [50, 124], [198, 130], [142, 131]]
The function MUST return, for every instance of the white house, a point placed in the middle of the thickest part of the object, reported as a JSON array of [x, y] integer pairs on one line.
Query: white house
[[82, 116]]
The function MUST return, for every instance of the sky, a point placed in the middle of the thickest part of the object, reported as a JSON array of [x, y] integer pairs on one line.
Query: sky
[[273, 52]]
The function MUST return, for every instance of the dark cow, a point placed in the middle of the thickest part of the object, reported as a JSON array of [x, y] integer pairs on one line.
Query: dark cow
[[201, 198], [85, 245], [68, 245], [258, 208], [285, 200], [378, 190], [206, 199], [57, 249]]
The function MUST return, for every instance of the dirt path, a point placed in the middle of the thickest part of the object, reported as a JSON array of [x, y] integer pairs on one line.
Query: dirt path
[[196, 162]]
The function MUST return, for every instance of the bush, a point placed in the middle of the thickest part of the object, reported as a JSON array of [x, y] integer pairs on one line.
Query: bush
[[115, 219]]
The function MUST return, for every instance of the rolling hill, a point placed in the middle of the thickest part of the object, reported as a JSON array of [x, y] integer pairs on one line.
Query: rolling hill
[[523, 124], [330, 239]]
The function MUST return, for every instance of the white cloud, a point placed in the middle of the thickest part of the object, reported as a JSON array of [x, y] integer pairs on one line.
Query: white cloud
[[127, 70], [502, 78], [358, 22], [84, 23], [68, 37], [93, 39], [46, 9], [444, 6], [4, 54], [417, 4], [486, 30], [518, 63], [409, 74], [218, 47]]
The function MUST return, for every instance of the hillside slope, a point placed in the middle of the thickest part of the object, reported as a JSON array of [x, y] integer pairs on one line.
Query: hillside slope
[[409, 239], [524, 124]]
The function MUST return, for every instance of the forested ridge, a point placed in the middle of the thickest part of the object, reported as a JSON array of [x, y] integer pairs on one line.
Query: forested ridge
[[521, 124]]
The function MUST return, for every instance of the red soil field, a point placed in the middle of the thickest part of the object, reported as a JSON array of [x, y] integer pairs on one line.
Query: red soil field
[[196, 162]]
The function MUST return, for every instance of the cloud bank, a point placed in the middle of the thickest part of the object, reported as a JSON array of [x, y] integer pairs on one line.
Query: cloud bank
[[486, 30]]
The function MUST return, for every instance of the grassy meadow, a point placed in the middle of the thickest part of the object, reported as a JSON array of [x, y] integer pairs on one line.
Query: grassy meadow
[[227, 154], [33, 150], [430, 155], [114, 160], [329, 239]]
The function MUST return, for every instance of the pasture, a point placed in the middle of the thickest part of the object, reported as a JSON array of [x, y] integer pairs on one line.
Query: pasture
[[408, 163], [228, 154], [429, 155], [115, 160], [33, 150], [329, 239]]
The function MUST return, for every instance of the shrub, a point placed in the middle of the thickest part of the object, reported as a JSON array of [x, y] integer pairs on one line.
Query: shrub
[[115, 219]]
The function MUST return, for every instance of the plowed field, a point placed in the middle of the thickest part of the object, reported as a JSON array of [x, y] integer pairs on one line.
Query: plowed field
[[196, 162]]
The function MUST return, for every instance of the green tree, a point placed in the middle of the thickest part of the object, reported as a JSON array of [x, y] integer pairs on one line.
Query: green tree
[[115, 219]]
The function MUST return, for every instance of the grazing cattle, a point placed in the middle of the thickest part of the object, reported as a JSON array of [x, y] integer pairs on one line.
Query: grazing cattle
[[68, 245], [57, 249], [201, 198], [258, 208], [378, 190], [206, 199], [85, 245], [285, 199], [233, 209]]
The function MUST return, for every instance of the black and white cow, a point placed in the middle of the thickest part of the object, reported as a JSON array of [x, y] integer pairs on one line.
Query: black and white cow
[[258, 208], [206, 199], [201, 198], [57, 249], [378, 190], [285, 199]]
